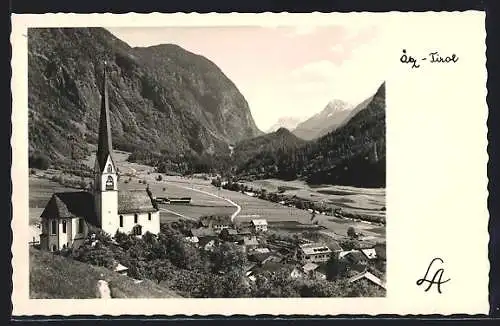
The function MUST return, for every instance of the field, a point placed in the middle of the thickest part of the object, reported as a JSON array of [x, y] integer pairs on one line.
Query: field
[[56, 277], [362, 201], [208, 200]]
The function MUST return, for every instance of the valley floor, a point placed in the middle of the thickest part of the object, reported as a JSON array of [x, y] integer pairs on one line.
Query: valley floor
[[206, 200]]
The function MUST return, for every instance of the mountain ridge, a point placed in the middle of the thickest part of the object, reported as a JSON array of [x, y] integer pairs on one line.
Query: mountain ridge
[[323, 122], [353, 154], [162, 98]]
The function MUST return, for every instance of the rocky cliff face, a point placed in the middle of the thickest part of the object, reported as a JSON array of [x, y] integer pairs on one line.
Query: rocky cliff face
[[163, 99]]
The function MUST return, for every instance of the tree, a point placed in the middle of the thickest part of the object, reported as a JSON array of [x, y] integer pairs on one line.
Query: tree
[[97, 254], [228, 257], [160, 270], [39, 161], [351, 232], [350, 244]]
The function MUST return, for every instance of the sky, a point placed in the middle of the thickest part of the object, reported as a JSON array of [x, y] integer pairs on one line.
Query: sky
[[289, 71]]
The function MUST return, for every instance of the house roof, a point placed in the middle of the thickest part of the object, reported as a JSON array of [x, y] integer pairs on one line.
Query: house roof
[[135, 201], [369, 276], [342, 254], [192, 239], [120, 268], [309, 267], [205, 240], [215, 219], [267, 267], [203, 232], [259, 222], [334, 246], [314, 248], [355, 256], [370, 253], [260, 257], [71, 204], [250, 242]]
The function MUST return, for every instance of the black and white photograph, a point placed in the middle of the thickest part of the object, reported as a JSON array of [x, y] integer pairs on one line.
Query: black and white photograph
[[205, 163], [315, 164]]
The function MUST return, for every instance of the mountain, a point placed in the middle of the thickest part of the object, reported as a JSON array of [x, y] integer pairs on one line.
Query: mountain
[[163, 99], [285, 122], [354, 154], [334, 114], [251, 153]]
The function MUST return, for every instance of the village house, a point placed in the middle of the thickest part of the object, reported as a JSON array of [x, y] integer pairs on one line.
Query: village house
[[216, 223], [259, 225], [335, 248], [250, 242], [370, 253], [69, 216], [313, 252], [355, 257], [119, 268], [296, 273], [315, 271], [368, 276]]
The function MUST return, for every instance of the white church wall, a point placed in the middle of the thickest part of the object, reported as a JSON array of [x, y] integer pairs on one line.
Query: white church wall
[[109, 208], [152, 225], [77, 236]]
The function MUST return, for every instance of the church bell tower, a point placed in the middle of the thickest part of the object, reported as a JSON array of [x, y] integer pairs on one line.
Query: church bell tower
[[105, 174]]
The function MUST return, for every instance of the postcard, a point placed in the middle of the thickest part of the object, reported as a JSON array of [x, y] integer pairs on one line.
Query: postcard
[[198, 164]]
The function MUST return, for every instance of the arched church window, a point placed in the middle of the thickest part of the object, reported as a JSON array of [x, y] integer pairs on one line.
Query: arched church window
[[136, 218], [64, 226], [54, 227], [110, 183], [110, 169], [121, 221], [80, 225]]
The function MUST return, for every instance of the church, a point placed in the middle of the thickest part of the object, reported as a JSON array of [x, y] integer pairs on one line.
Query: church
[[69, 216]]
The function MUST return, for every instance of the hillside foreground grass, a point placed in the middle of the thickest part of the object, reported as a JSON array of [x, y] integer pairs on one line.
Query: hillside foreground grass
[[57, 277]]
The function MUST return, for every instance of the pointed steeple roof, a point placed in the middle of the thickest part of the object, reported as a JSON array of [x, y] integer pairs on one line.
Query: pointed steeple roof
[[104, 145]]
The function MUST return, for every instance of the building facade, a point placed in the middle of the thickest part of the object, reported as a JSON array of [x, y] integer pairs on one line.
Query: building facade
[[69, 216], [259, 225], [313, 253]]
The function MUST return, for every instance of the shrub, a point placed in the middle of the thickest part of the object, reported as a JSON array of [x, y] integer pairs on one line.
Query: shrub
[[351, 232], [39, 161]]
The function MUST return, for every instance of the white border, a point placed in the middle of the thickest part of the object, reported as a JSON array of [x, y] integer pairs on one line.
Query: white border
[[436, 150]]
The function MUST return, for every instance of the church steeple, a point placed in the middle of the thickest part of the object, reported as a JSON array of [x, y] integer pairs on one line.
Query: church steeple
[[104, 146]]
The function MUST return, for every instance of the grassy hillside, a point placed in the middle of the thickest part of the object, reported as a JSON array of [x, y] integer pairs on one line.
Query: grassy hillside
[[250, 154], [56, 277]]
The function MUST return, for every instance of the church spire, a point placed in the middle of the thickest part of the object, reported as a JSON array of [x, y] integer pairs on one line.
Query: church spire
[[104, 145]]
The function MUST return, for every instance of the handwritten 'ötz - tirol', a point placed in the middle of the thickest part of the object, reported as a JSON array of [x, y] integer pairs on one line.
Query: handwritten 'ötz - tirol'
[[433, 57]]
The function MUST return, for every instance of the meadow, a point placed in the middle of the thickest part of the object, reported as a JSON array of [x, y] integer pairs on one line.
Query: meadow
[[208, 200]]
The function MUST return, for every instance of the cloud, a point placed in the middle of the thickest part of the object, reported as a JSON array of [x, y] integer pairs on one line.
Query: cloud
[[317, 70]]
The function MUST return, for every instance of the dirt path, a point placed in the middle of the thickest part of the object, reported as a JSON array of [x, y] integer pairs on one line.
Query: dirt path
[[238, 207], [103, 290]]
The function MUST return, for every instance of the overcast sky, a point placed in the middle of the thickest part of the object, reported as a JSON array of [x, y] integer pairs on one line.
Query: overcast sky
[[282, 71]]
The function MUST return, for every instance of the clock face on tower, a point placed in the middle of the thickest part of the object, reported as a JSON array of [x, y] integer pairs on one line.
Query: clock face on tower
[[110, 183]]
